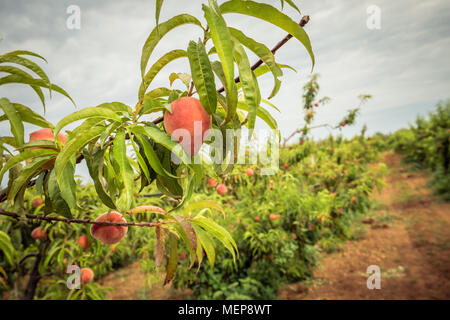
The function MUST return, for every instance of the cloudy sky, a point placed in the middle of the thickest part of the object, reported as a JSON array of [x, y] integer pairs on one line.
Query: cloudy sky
[[404, 64]]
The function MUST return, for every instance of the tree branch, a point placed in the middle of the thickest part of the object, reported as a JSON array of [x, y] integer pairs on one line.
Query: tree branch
[[302, 23], [84, 221]]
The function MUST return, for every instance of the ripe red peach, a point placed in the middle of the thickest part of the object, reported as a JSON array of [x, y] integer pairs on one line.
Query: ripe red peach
[[182, 256], [39, 233], [256, 219], [47, 134], [83, 242], [249, 172], [274, 216], [36, 203], [109, 234], [212, 182], [316, 104], [188, 114], [87, 275], [286, 165], [221, 189], [354, 199]]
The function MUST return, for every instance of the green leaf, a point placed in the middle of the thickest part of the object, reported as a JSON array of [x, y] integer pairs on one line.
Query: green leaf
[[292, 4], [28, 172], [159, 32], [95, 167], [14, 70], [15, 120], [222, 42], [7, 248], [201, 204], [270, 14], [159, 4], [264, 53], [219, 232], [27, 154], [32, 117], [157, 93], [184, 77], [173, 260], [67, 184], [150, 154], [202, 76], [141, 161], [156, 67], [261, 113], [249, 85], [207, 244], [126, 197], [164, 139], [24, 53], [74, 145], [24, 62], [90, 112], [59, 205], [33, 82]]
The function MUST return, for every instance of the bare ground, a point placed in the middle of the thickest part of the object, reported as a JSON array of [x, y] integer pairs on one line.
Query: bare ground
[[412, 249]]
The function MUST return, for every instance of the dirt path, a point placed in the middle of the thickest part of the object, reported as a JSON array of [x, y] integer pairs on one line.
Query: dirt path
[[412, 250], [409, 239]]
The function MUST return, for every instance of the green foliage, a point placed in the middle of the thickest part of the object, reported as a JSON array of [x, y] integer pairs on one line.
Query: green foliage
[[427, 144]]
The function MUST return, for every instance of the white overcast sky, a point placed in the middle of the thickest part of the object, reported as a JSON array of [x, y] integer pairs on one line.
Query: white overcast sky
[[404, 65]]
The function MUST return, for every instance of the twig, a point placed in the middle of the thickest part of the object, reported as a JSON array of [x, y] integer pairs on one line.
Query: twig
[[84, 221], [302, 23]]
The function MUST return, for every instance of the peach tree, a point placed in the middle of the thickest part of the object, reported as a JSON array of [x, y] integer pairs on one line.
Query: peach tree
[[126, 152]]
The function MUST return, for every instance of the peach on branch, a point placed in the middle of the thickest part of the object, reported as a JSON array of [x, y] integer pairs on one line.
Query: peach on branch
[[274, 216], [36, 203], [39, 233], [47, 134], [249, 172], [83, 242], [212, 183], [221, 189], [354, 199], [187, 123], [256, 219], [286, 165], [87, 275], [109, 234]]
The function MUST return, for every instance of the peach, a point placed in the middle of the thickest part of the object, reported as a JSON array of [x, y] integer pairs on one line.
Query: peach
[[87, 275], [188, 114], [286, 165], [109, 234], [249, 172], [47, 134], [182, 256], [221, 189], [36, 203], [83, 242], [39, 233], [354, 199], [212, 182], [311, 227], [274, 216], [256, 219]]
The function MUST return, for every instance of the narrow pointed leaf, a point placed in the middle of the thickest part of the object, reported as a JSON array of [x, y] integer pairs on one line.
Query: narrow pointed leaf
[[15, 120], [159, 32], [270, 14]]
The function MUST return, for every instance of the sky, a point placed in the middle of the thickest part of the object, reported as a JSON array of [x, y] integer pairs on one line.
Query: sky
[[404, 64]]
